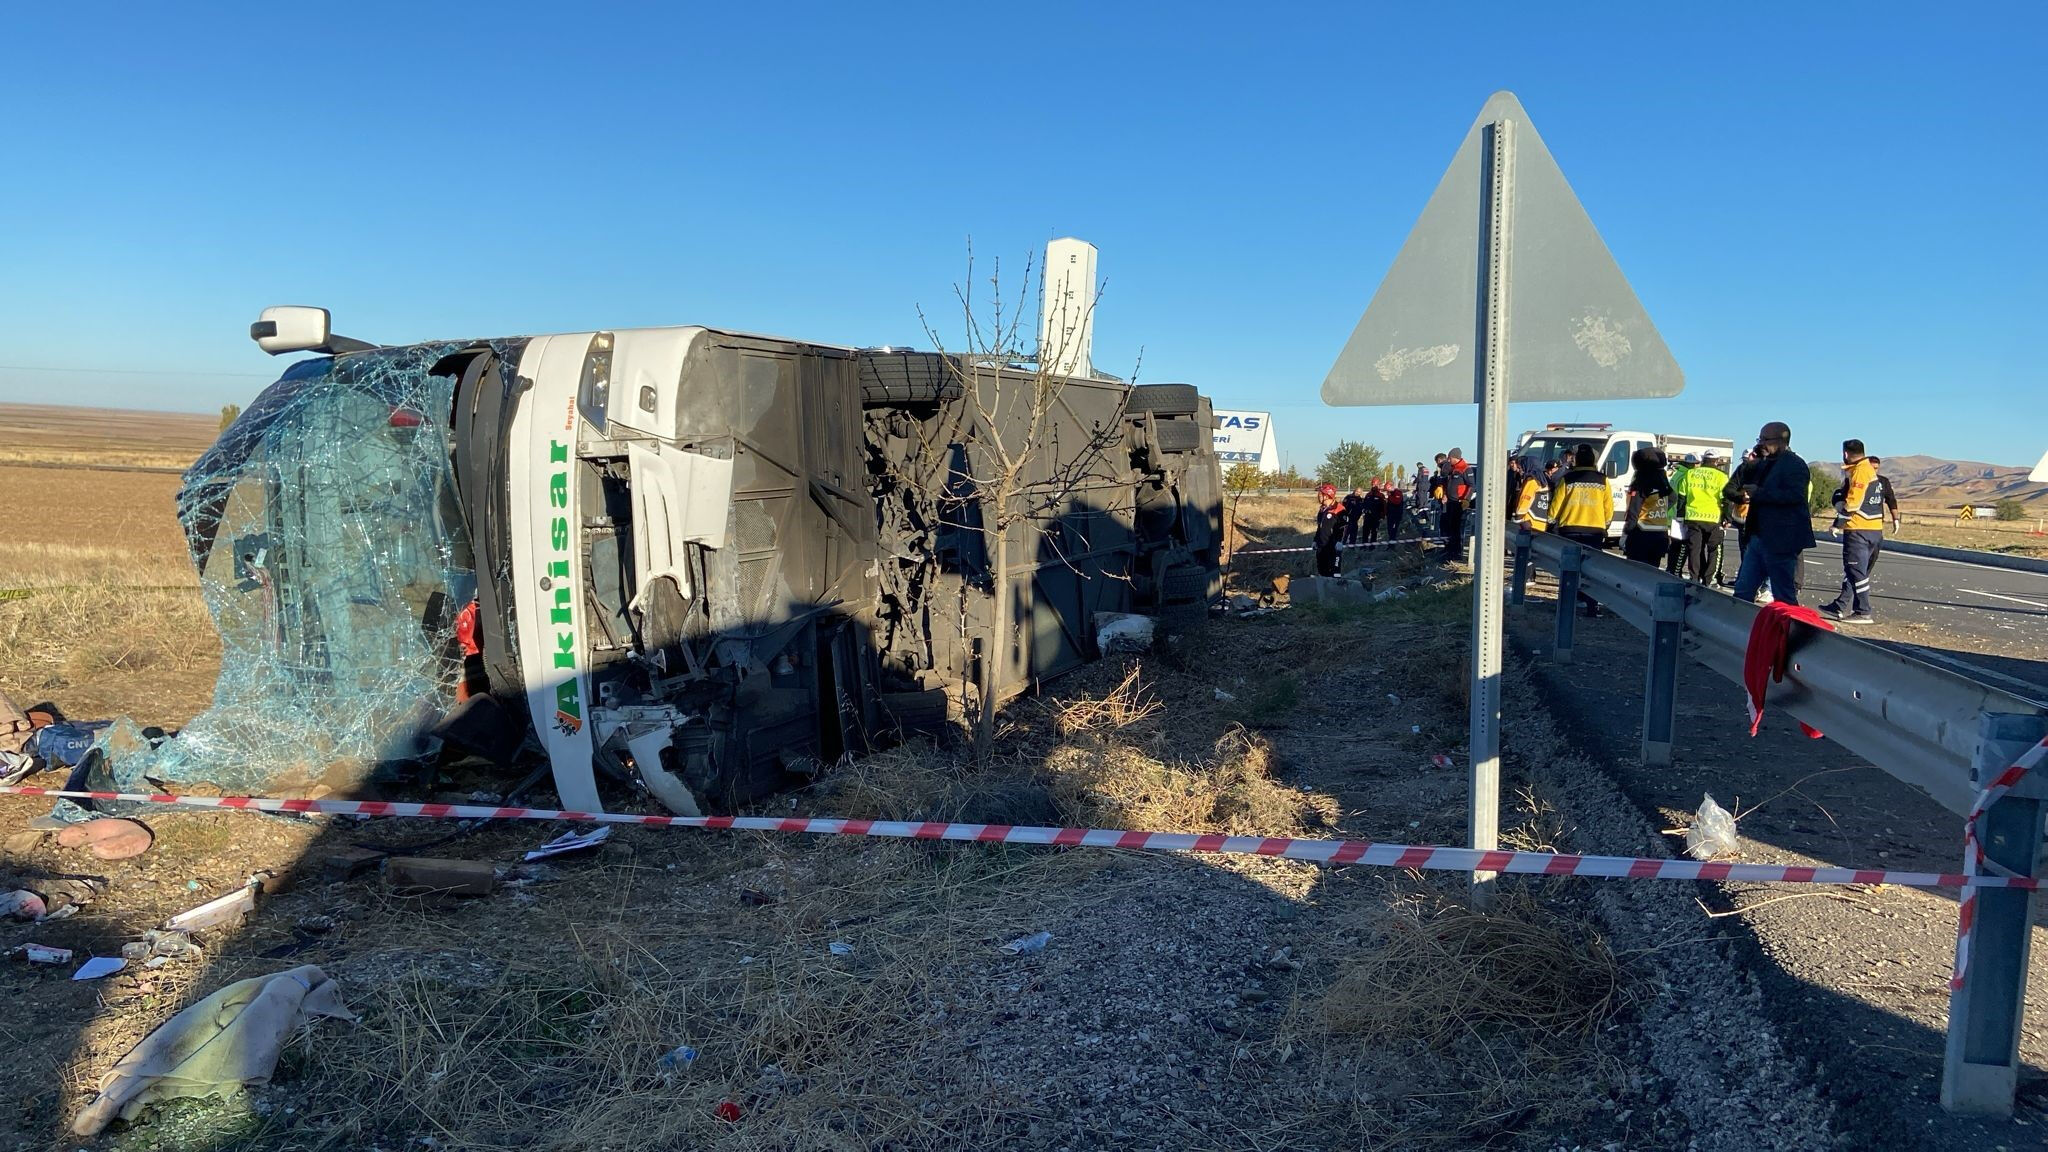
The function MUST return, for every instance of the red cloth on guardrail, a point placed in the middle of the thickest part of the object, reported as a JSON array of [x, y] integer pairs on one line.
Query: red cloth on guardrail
[[1765, 658]]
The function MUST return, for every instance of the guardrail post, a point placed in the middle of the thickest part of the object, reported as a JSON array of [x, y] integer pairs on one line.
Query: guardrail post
[[1520, 593], [1982, 1066], [1567, 602], [1660, 684]]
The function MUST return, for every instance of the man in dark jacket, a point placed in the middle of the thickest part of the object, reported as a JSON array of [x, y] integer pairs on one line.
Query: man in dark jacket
[[1329, 529], [1375, 512], [1779, 517], [1353, 505]]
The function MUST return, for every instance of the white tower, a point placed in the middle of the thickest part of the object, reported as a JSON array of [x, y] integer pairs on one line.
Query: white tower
[[1066, 308]]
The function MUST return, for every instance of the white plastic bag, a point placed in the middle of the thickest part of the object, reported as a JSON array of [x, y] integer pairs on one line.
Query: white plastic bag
[[1677, 529], [1712, 833]]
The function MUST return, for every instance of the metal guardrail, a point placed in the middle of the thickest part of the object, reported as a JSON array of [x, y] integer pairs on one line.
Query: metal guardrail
[[1941, 732], [1918, 722]]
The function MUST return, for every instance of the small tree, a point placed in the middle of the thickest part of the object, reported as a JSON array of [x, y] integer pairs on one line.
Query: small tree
[[1242, 478], [1820, 490], [1014, 474], [1349, 465], [228, 412], [2010, 509]]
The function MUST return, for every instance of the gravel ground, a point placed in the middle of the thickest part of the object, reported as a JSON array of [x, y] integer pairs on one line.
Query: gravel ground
[[1854, 981]]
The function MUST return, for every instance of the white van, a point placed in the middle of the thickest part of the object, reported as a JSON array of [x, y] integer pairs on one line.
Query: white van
[[1613, 447]]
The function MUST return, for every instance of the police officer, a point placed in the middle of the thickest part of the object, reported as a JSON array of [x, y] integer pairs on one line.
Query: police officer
[[1675, 557], [1699, 499], [1582, 506], [1329, 529]]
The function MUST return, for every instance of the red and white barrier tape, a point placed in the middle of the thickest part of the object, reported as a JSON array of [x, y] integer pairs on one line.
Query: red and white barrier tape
[[1973, 852], [1374, 544], [1291, 848]]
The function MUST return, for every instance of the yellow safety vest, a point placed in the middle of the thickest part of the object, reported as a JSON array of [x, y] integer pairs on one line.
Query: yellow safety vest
[[1582, 498], [1653, 511]]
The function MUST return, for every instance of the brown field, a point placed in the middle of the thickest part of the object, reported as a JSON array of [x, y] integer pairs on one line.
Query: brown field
[[103, 437]]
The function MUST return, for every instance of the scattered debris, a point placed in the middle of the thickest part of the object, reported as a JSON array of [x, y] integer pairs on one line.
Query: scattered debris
[[43, 954], [1224, 697], [1123, 632], [108, 838], [15, 766], [1440, 760], [728, 1110], [428, 876], [351, 862], [571, 842], [99, 966], [1029, 945], [753, 898], [839, 948], [216, 912], [1393, 699], [315, 925], [1712, 833], [22, 843], [678, 1059], [224, 1043], [163, 946], [1241, 602], [22, 905]]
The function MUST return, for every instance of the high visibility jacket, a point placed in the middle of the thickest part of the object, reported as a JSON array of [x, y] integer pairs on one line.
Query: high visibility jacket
[[1582, 498], [1862, 505], [1653, 511], [1701, 490], [1539, 508], [1525, 500]]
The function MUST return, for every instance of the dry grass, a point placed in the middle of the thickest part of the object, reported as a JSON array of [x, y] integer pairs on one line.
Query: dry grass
[[1122, 706], [1117, 784], [1441, 969]]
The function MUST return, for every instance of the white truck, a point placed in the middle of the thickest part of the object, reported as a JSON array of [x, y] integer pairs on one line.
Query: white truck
[[1613, 448]]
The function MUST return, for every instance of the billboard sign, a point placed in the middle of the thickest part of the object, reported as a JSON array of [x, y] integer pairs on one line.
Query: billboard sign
[[1246, 438]]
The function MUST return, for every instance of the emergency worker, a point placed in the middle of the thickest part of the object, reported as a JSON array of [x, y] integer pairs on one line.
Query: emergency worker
[[1859, 524], [1646, 523], [1699, 502], [1329, 529], [1674, 558], [1582, 506], [1457, 488], [1375, 511]]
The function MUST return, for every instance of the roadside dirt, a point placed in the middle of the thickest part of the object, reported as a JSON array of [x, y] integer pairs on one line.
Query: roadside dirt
[[1855, 980]]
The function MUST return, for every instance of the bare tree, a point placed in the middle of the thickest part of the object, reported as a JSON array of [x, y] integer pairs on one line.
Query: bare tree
[[1015, 477]]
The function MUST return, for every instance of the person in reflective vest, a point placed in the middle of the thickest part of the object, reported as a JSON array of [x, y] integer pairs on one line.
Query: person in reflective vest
[[1396, 510], [1529, 487], [1859, 524], [1646, 531], [1457, 490], [1699, 502], [1581, 506]]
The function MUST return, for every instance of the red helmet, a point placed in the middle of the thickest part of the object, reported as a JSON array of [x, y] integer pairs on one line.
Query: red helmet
[[1327, 490]]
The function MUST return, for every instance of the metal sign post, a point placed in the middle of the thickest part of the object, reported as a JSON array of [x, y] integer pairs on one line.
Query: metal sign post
[[1463, 310], [1497, 190]]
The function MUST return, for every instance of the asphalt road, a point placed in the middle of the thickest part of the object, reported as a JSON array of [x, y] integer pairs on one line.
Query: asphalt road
[[1987, 623]]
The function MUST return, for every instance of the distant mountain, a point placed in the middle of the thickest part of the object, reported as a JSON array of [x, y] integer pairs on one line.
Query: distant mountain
[[1930, 480]]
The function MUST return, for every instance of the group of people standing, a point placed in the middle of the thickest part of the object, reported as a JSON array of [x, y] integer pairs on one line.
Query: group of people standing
[[1678, 516]]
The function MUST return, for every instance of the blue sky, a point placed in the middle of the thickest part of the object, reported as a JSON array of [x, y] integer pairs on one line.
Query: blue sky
[[1830, 211]]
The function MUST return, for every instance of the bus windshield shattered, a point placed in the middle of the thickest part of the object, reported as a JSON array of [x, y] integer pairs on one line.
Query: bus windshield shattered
[[324, 528]]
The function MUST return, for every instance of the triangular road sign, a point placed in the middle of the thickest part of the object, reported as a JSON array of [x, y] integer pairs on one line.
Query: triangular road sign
[[1575, 329], [2040, 473]]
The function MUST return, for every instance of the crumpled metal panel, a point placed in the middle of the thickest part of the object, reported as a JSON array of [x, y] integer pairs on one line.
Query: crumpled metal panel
[[332, 559]]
